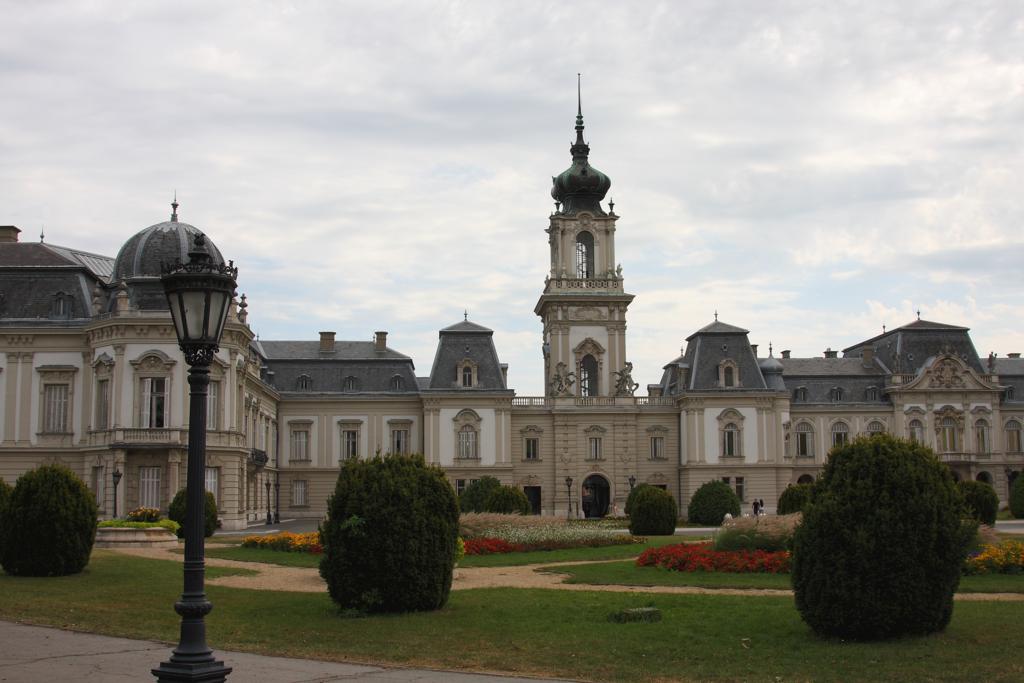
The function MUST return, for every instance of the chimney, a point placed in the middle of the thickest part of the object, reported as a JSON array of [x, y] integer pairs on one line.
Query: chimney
[[867, 356], [8, 233], [1013, 355], [654, 390], [785, 354], [380, 341], [326, 342], [504, 374], [829, 353], [754, 349]]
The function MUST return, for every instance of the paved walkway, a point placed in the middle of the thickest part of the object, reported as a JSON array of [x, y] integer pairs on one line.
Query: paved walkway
[[32, 654]]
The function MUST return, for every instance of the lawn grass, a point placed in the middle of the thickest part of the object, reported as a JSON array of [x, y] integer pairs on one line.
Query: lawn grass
[[611, 552], [265, 555], [539, 632], [628, 574]]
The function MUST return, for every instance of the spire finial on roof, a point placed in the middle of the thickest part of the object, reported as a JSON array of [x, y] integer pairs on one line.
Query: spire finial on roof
[[769, 349], [465, 314], [579, 111], [42, 234], [919, 314], [174, 208], [883, 328], [716, 315]]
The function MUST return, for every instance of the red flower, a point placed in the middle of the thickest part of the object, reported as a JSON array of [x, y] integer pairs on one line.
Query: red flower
[[692, 557]]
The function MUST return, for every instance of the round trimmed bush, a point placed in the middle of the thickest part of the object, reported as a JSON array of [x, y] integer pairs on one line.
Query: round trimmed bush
[[981, 500], [880, 549], [794, 498], [390, 536], [49, 524], [176, 511], [632, 496], [507, 500], [1017, 497], [711, 502], [654, 512], [474, 497]]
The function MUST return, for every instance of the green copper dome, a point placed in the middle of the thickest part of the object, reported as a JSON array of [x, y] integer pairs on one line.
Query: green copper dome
[[581, 187]]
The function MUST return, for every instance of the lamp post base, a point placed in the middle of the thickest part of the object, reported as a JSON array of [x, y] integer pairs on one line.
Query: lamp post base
[[206, 672]]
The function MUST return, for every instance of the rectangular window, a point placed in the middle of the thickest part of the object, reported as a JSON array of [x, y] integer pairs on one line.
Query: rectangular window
[[154, 403], [657, 447], [213, 482], [55, 408], [300, 445], [349, 444], [213, 407], [595, 448], [149, 487], [467, 443], [532, 448], [400, 441], [102, 404], [739, 488], [299, 492], [803, 444], [533, 495], [99, 478], [460, 486]]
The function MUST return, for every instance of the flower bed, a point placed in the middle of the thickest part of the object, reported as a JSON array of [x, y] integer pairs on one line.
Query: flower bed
[[695, 557], [168, 524], [511, 539], [1005, 558], [286, 541]]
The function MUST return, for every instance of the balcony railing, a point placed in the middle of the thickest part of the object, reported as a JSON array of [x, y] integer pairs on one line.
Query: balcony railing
[[562, 284], [591, 401], [257, 457]]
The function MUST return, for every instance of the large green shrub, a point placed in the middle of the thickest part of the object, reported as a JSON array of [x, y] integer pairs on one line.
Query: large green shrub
[[49, 524], [794, 498], [632, 496], [390, 536], [880, 549], [474, 497], [5, 494], [981, 500], [176, 511], [711, 502], [507, 500], [654, 512], [1017, 497]]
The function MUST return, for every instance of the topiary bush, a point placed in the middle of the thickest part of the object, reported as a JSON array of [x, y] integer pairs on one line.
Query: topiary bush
[[49, 524], [882, 543], [390, 536], [654, 513], [474, 497], [794, 498], [507, 500], [1017, 497], [632, 496], [981, 500], [176, 511], [711, 502]]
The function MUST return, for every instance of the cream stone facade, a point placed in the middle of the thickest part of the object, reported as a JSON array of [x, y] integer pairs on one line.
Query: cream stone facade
[[91, 377]]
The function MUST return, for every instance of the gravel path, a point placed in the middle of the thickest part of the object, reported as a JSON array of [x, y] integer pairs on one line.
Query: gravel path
[[302, 580]]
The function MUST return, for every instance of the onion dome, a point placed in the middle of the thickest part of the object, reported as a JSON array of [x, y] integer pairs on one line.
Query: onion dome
[[581, 187], [139, 261]]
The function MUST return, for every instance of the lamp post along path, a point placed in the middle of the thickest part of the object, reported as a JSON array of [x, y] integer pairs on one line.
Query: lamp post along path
[[199, 293]]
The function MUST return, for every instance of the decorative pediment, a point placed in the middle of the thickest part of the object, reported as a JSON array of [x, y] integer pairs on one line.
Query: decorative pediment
[[103, 359], [981, 411], [914, 411], [590, 346], [153, 360], [531, 480], [730, 415], [531, 430], [947, 372], [657, 430], [594, 430], [466, 416], [657, 478], [586, 313], [948, 411]]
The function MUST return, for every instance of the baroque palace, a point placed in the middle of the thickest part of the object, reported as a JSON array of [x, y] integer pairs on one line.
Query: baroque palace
[[91, 377]]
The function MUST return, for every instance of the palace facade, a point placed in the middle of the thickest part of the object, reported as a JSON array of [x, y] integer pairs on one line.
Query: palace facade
[[91, 377]]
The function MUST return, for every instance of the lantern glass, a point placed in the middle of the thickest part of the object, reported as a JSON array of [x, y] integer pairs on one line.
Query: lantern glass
[[193, 305], [219, 300]]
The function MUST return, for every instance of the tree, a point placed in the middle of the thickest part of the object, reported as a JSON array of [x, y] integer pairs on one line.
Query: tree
[[507, 500], [981, 500], [176, 511], [474, 497], [711, 502], [794, 498], [654, 513]]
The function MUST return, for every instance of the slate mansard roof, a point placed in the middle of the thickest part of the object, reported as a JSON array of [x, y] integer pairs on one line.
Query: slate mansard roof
[[697, 369], [371, 371], [466, 340]]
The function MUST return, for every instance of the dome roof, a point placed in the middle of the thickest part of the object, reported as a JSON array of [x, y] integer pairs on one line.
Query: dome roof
[[770, 364], [581, 187]]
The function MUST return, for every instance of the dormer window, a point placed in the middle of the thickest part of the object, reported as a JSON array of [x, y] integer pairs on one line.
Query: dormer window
[[397, 383], [800, 394], [835, 394], [584, 255], [467, 376], [61, 305], [466, 373], [728, 374], [304, 383], [350, 384], [871, 394]]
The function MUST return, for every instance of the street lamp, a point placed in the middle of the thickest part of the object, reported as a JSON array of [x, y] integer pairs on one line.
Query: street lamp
[[199, 294], [277, 498], [116, 476], [270, 517], [568, 496], [632, 482]]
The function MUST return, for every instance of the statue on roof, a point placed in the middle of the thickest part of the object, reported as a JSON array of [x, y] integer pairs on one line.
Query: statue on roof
[[624, 384], [562, 381]]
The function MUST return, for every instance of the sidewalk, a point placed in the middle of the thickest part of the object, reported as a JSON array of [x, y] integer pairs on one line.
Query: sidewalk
[[32, 654]]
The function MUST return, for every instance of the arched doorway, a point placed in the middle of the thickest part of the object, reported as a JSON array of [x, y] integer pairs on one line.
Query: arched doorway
[[984, 477], [595, 496]]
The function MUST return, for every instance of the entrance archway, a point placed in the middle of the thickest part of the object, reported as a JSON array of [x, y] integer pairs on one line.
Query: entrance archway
[[595, 496]]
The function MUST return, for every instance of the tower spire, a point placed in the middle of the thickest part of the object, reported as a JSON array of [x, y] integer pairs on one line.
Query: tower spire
[[579, 111], [174, 208]]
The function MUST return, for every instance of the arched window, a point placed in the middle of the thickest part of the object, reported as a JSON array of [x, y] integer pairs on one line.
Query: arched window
[[350, 384], [728, 375], [588, 376], [875, 427], [805, 479], [840, 434], [984, 477], [730, 440], [948, 435], [397, 383], [1013, 444], [467, 376], [805, 440], [584, 255], [304, 383], [982, 437], [1008, 394], [915, 430], [467, 443]]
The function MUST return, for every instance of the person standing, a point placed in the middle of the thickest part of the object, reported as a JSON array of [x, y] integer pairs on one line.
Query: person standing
[[757, 507]]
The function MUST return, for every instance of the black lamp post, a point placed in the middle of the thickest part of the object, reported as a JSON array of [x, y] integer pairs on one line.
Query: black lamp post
[[270, 517], [568, 497], [632, 482], [277, 498], [116, 476], [199, 293]]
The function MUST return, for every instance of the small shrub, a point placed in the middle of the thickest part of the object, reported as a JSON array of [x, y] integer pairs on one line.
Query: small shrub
[[507, 500], [632, 496], [981, 500], [143, 515], [176, 511], [794, 498], [1017, 497], [390, 536], [758, 533], [711, 502], [654, 513], [49, 524], [882, 543], [474, 497]]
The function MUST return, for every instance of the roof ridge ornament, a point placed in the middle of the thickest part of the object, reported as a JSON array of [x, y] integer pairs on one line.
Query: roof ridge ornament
[[174, 208]]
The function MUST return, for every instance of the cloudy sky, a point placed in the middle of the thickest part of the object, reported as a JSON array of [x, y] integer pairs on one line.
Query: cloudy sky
[[812, 171]]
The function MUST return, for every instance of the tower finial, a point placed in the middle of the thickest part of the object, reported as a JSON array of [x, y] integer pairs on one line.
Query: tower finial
[[42, 234], [174, 208], [716, 315], [919, 314], [769, 349], [579, 112], [465, 314]]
